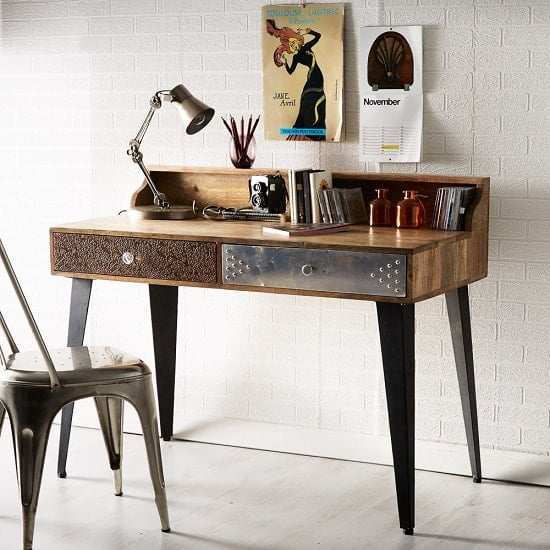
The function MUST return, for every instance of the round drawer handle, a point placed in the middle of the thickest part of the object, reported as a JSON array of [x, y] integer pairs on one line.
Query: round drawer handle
[[307, 270], [128, 258]]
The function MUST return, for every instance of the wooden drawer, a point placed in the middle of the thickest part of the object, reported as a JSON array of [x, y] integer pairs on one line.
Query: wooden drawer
[[133, 257]]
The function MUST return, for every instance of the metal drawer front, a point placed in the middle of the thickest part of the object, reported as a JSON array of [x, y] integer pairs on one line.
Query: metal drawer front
[[313, 269]]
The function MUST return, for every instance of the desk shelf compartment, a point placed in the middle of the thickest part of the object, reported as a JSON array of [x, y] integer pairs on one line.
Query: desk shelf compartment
[[345, 272], [135, 258]]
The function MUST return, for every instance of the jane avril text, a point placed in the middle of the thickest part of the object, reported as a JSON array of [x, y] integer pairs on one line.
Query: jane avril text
[[284, 99]]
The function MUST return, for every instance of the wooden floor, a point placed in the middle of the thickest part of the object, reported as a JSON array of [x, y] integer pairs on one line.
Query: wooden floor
[[230, 498]]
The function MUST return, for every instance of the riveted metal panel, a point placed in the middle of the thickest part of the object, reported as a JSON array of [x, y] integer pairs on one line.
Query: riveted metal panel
[[315, 269]]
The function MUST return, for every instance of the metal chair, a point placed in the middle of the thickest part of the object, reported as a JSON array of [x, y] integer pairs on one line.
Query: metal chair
[[32, 396]]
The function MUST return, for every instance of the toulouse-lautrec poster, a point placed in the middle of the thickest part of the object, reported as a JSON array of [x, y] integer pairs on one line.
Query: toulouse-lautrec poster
[[303, 71], [391, 96]]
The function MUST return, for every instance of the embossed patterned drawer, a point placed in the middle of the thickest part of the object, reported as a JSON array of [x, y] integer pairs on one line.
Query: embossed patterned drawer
[[314, 269], [161, 259]]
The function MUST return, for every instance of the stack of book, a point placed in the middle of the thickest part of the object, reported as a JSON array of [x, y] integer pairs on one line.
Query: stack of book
[[313, 199], [342, 205], [450, 207]]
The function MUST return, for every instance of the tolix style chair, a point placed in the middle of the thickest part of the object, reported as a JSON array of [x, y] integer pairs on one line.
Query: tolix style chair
[[35, 385]]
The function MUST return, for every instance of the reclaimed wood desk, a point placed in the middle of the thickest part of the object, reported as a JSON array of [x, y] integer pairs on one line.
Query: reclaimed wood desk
[[393, 267]]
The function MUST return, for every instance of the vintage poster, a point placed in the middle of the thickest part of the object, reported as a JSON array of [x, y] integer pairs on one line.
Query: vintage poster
[[303, 71], [391, 95]]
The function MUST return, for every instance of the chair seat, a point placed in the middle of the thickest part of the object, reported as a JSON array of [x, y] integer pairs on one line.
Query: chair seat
[[75, 366]]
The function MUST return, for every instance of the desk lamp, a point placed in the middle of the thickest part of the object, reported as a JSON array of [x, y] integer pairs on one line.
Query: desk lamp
[[195, 115]]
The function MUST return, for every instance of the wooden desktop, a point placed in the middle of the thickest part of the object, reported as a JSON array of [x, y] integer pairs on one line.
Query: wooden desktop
[[393, 267]]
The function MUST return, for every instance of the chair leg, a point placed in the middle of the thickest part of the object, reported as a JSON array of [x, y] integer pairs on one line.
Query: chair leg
[[110, 412], [2, 416], [30, 436], [64, 436], [147, 414]]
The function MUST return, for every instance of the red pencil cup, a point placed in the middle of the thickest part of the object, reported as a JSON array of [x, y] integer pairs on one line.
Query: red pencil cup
[[242, 151]]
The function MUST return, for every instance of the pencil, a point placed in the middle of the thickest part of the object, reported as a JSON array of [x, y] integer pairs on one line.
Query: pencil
[[251, 134], [236, 140], [227, 126]]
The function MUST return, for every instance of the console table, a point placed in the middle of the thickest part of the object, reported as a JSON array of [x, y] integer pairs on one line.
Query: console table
[[393, 267]]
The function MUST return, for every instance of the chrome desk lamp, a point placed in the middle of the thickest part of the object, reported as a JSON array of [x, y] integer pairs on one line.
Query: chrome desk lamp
[[195, 115]]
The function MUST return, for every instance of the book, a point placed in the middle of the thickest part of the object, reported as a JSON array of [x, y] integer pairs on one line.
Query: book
[[308, 199], [331, 205], [340, 215], [302, 229], [324, 200], [301, 176], [292, 196], [353, 205], [300, 213], [450, 207], [296, 194], [322, 207], [318, 180]]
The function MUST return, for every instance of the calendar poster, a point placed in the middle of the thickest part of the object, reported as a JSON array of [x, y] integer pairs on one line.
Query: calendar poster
[[391, 95]]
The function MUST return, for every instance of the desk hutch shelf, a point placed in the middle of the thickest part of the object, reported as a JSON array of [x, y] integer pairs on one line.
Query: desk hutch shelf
[[436, 261]]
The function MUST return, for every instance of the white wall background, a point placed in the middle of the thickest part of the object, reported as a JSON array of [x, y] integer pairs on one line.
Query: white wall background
[[75, 80]]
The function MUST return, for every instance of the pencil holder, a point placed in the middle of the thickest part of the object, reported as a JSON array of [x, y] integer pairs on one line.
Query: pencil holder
[[242, 151]]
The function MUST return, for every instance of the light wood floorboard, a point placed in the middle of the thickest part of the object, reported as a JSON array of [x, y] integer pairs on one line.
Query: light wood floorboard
[[231, 498]]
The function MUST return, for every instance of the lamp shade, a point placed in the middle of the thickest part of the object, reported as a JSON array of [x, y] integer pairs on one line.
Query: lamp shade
[[194, 113]]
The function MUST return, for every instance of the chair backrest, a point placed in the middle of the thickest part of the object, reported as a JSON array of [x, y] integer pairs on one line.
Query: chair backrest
[[7, 332], [54, 380]]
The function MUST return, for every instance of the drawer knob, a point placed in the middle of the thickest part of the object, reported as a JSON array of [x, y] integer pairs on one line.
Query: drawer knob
[[128, 258], [307, 270]]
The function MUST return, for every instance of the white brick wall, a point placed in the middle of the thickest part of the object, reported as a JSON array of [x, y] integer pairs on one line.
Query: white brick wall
[[75, 80]]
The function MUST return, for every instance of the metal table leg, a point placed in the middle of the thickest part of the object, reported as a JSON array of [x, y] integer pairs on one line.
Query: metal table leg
[[164, 321], [458, 308], [396, 326], [78, 315]]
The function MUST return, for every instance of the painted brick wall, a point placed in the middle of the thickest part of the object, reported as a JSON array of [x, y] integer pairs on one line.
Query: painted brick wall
[[75, 80]]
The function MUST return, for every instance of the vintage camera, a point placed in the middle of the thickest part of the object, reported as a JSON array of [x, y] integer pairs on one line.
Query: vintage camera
[[268, 193]]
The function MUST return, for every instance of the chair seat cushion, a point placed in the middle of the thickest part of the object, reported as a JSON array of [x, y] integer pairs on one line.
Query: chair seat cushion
[[74, 365]]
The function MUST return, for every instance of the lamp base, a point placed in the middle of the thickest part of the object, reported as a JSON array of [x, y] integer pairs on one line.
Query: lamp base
[[151, 212]]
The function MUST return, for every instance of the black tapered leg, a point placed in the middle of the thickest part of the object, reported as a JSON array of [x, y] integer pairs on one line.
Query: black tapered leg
[[396, 326], [164, 321], [458, 308], [78, 315]]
